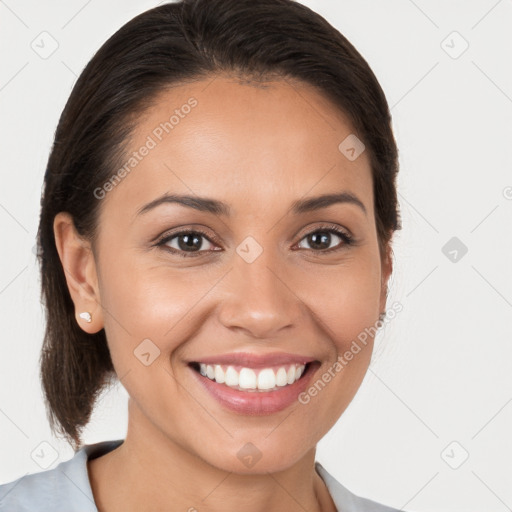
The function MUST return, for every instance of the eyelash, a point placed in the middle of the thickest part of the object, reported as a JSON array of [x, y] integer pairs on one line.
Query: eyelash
[[347, 239]]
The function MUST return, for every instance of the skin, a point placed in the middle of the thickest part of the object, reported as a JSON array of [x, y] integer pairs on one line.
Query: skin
[[257, 149]]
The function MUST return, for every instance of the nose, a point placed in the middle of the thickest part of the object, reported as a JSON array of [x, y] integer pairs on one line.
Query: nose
[[258, 300]]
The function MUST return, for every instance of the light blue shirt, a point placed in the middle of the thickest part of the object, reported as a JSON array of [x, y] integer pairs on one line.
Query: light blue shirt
[[66, 488]]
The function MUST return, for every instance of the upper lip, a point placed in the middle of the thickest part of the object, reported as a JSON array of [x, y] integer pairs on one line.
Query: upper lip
[[254, 360]]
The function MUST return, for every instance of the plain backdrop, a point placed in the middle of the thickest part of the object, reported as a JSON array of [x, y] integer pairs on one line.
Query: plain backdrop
[[430, 428]]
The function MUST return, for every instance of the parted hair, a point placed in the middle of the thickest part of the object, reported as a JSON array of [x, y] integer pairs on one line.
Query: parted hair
[[165, 46]]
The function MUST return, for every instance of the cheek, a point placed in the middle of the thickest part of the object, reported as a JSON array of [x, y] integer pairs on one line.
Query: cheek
[[345, 306], [344, 299], [148, 300]]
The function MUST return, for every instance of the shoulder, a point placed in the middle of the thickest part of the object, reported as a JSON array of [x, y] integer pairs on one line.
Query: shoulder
[[345, 500], [65, 487]]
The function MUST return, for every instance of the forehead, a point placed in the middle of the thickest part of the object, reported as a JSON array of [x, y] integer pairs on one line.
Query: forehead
[[249, 144]]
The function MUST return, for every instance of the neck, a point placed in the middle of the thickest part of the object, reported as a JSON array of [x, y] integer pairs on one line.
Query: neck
[[150, 471]]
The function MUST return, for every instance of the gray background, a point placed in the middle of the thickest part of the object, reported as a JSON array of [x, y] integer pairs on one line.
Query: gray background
[[439, 388]]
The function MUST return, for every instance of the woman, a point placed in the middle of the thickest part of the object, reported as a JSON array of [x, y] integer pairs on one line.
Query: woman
[[215, 232]]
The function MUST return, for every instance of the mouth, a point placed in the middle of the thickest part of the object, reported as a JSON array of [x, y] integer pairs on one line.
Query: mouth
[[254, 379], [255, 390]]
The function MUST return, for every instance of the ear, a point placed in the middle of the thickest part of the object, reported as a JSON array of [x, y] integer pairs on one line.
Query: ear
[[387, 269], [79, 267]]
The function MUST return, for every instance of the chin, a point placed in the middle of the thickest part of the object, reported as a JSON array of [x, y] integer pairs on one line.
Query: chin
[[256, 457]]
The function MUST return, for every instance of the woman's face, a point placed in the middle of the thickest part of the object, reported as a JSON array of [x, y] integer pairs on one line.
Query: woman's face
[[261, 277]]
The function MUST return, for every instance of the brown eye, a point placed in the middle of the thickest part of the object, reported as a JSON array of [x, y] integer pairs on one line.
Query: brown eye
[[321, 239], [192, 242]]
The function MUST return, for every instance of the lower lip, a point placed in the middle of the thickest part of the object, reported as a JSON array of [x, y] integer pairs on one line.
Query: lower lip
[[257, 402]]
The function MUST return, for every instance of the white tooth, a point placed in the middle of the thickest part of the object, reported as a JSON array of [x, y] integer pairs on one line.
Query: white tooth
[[281, 377], [231, 377], [291, 375], [247, 379], [266, 379], [219, 374]]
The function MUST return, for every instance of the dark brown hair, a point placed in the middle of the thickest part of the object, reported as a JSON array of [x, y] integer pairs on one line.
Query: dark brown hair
[[168, 45]]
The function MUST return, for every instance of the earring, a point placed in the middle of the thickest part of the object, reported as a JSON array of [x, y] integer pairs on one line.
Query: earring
[[86, 316]]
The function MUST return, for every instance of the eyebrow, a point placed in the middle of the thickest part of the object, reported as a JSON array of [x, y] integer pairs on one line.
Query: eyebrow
[[205, 204], [323, 201]]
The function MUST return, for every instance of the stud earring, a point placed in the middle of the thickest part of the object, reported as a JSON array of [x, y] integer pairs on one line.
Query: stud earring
[[86, 316]]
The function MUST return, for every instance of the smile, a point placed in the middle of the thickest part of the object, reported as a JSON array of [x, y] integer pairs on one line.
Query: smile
[[252, 379], [254, 386]]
